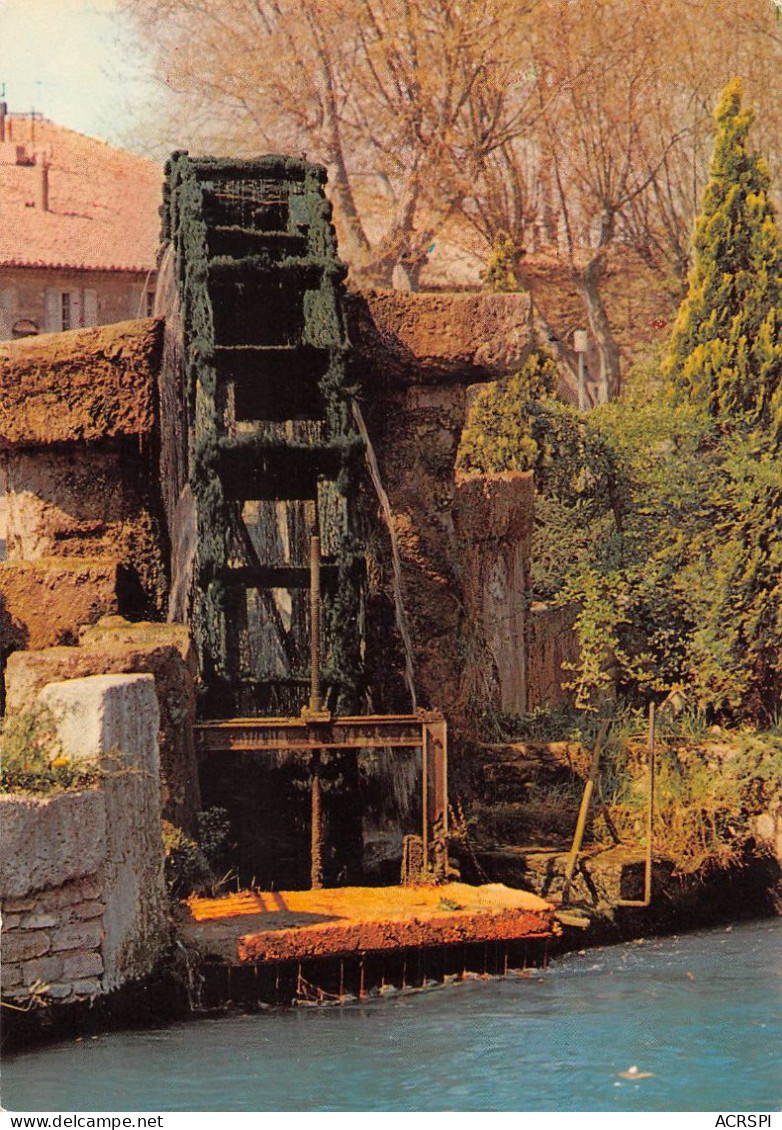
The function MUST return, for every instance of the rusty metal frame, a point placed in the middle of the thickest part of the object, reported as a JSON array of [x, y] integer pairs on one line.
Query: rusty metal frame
[[425, 730]]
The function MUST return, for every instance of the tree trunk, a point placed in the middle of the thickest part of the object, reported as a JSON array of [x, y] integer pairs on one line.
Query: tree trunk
[[588, 281]]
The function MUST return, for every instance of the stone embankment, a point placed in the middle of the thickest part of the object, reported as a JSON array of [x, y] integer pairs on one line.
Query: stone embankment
[[83, 899]]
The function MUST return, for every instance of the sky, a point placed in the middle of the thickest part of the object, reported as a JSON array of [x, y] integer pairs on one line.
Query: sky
[[76, 62]]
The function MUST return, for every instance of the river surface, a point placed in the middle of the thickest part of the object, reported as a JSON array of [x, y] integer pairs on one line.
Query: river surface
[[699, 1013]]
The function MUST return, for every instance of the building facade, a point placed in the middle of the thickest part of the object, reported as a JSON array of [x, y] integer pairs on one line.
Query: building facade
[[79, 229]]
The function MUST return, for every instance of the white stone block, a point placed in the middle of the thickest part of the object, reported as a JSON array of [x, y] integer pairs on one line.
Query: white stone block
[[107, 714]]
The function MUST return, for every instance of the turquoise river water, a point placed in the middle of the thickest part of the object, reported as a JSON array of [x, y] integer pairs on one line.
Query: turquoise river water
[[699, 1015]]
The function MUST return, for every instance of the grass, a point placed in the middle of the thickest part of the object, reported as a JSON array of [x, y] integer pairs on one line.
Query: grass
[[32, 759], [710, 784]]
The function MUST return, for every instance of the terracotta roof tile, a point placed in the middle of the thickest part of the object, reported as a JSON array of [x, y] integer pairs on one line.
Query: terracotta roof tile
[[103, 203]]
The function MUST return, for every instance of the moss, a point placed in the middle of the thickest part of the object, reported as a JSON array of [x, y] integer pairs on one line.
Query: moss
[[265, 297]]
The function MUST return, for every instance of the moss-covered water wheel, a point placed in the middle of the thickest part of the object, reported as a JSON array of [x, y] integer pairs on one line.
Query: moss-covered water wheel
[[272, 449]]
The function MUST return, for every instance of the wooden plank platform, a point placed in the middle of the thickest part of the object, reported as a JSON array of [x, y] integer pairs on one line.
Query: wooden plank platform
[[261, 927]]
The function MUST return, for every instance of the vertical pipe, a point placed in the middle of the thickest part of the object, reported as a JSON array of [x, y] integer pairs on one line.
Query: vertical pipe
[[648, 860], [425, 801], [315, 624], [316, 841], [650, 809], [582, 398], [583, 811]]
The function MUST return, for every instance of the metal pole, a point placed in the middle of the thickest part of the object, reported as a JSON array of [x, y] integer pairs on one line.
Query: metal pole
[[583, 811], [582, 396], [315, 624], [650, 810], [649, 859], [425, 800], [316, 840]]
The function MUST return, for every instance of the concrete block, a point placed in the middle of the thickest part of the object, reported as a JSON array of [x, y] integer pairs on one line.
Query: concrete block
[[114, 646], [48, 842], [42, 969], [11, 975], [118, 714], [39, 920], [92, 909], [78, 936], [105, 383], [107, 714], [17, 905], [59, 991], [82, 964], [21, 945], [46, 601], [89, 887], [86, 987], [16, 992]]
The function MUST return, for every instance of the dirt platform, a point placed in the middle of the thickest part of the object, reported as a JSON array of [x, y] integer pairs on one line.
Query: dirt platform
[[261, 926]]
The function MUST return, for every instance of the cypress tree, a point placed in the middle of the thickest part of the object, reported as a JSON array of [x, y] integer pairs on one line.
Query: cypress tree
[[725, 351]]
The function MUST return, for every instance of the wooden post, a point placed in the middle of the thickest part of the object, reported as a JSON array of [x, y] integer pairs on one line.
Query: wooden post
[[650, 810]]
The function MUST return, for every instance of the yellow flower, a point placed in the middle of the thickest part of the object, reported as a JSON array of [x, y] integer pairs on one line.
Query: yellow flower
[[59, 762]]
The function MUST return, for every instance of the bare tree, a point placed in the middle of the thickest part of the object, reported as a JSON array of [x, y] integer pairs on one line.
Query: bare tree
[[380, 90]]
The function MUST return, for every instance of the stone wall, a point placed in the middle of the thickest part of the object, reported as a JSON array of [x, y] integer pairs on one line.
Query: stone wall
[[115, 646], [80, 531], [83, 899], [464, 547], [494, 521]]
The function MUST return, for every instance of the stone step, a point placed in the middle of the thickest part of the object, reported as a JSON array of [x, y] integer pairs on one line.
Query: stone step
[[603, 877]]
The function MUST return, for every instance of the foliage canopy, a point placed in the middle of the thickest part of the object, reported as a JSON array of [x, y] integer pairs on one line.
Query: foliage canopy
[[659, 517], [725, 350]]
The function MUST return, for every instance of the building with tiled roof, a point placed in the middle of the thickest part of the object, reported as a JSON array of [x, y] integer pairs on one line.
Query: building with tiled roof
[[79, 229]]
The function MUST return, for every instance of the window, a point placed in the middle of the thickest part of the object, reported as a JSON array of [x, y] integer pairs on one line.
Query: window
[[70, 309]]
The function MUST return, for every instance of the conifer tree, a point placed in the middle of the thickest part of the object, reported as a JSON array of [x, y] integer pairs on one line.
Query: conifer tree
[[725, 350]]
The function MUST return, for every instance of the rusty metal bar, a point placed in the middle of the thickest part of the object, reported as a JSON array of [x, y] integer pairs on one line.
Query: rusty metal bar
[[367, 732], [424, 803], [437, 734], [648, 861], [583, 812], [425, 730], [316, 830], [315, 624]]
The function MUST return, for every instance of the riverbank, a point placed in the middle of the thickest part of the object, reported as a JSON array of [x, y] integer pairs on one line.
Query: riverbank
[[256, 950], [697, 1015]]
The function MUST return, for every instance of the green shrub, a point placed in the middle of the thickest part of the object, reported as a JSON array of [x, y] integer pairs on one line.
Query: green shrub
[[187, 869], [502, 264], [498, 435], [196, 866], [32, 760], [708, 788]]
